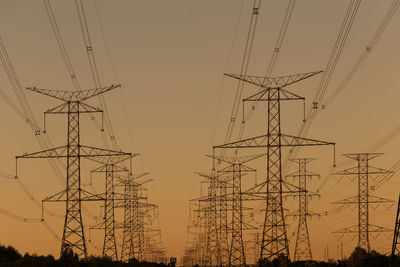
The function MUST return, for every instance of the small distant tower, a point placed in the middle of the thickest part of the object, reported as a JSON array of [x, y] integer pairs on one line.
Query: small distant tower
[[364, 199], [396, 239], [303, 245]]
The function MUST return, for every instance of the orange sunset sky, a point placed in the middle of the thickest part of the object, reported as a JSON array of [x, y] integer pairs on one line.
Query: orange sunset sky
[[175, 103]]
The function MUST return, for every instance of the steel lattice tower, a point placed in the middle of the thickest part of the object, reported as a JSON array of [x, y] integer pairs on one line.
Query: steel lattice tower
[[303, 246], [212, 252], [108, 223], [274, 236], [396, 234], [127, 248], [73, 105], [364, 199], [128, 201], [223, 221], [236, 167]]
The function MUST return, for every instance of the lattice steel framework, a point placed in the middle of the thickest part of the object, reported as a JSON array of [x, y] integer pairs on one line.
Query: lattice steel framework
[[127, 248], [302, 250], [396, 234], [364, 199], [73, 105], [223, 221], [138, 224], [212, 253], [236, 167], [274, 236], [108, 223], [131, 203]]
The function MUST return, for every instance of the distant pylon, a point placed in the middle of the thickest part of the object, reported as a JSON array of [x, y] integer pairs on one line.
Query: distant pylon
[[274, 239], [364, 199], [108, 223], [73, 105], [237, 256], [128, 182], [302, 251], [223, 220], [127, 247], [212, 253], [396, 235]]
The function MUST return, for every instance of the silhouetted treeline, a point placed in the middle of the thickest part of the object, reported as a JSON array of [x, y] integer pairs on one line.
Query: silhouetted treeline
[[358, 258], [10, 257]]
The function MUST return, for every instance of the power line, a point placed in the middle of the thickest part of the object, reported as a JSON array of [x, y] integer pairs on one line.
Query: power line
[[336, 53]]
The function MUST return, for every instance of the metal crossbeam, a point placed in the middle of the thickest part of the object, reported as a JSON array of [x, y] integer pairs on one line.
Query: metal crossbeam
[[273, 82], [262, 141], [67, 96]]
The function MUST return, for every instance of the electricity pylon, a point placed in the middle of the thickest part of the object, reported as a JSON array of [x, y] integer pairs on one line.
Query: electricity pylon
[[274, 237], [201, 223], [108, 223], [213, 252], [364, 199], [128, 181], [396, 235], [302, 249], [73, 105], [222, 216], [236, 167], [223, 220]]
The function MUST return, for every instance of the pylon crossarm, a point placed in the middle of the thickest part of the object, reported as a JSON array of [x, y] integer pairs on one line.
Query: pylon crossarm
[[349, 200], [87, 196], [263, 96], [371, 171], [237, 159], [85, 108], [63, 109], [231, 168], [104, 156], [288, 188], [347, 230], [262, 141], [130, 178], [297, 213], [357, 156], [208, 176], [58, 152], [267, 82], [355, 200], [378, 229], [73, 95], [289, 140], [253, 196], [60, 109], [58, 197], [116, 168], [371, 228]]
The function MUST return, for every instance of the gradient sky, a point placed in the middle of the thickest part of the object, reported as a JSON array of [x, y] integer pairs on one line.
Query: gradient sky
[[170, 57]]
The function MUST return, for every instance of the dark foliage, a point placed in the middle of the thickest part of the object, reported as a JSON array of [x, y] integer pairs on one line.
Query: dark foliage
[[359, 258], [9, 257], [8, 254]]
